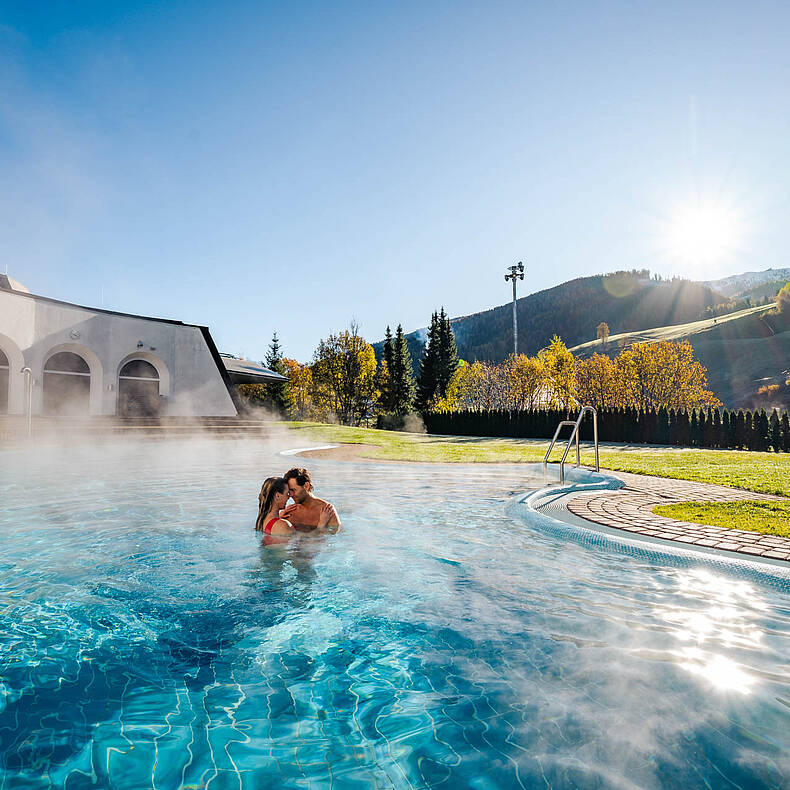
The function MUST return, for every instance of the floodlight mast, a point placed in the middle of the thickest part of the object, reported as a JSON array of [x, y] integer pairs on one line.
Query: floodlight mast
[[516, 273]]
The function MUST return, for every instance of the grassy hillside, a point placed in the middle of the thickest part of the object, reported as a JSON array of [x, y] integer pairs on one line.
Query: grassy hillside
[[626, 301], [741, 351]]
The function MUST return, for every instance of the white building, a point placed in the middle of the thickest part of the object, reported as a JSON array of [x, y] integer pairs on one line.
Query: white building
[[88, 361]]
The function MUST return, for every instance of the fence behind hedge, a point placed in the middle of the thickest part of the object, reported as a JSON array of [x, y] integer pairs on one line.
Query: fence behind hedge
[[716, 428]]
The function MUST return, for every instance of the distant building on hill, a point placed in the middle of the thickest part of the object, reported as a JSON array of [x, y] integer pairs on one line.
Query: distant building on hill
[[86, 361]]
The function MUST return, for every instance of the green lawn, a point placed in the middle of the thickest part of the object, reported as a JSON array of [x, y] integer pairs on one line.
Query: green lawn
[[770, 518], [766, 473]]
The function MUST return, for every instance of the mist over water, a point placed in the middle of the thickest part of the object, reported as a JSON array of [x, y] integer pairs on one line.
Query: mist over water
[[148, 639]]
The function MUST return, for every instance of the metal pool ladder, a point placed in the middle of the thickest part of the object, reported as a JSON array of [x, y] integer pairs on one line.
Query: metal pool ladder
[[574, 435]]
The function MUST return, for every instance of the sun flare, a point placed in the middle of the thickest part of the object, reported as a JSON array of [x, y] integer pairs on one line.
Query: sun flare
[[703, 234]]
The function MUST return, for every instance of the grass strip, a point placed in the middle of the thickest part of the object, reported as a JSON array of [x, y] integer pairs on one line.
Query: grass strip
[[764, 473], [770, 518]]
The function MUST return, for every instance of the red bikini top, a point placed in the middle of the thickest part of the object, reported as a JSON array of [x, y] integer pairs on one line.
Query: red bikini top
[[268, 528]]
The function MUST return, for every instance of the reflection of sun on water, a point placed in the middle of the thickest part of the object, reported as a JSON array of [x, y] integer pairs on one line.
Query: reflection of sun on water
[[719, 671], [724, 624]]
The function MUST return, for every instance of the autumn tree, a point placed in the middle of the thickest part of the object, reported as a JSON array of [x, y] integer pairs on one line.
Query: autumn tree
[[523, 377], [482, 386], [300, 384], [344, 376], [664, 374], [455, 394], [559, 373], [783, 300], [602, 332], [598, 383]]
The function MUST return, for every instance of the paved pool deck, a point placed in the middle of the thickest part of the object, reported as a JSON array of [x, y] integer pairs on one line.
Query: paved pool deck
[[630, 509]]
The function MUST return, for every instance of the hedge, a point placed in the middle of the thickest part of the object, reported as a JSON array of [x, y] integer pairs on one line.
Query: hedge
[[714, 428]]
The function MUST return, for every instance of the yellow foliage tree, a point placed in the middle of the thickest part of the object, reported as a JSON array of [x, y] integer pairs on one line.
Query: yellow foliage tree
[[524, 379], [598, 383], [783, 299], [559, 373], [300, 380], [344, 376], [663, 374], [456, 392], [482, 387]]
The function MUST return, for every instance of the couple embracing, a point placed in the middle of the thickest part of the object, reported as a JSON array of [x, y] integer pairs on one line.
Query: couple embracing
[[306, 513]]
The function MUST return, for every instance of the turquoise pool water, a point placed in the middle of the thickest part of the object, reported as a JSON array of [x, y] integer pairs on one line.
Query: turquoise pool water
[[443, 639]]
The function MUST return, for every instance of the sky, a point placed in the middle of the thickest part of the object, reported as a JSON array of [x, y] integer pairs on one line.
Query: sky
[[291, 167]]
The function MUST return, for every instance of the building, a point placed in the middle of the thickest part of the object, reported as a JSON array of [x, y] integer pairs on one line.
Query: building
[[85, 361]]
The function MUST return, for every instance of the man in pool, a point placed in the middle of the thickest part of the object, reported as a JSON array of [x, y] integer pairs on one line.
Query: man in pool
[[308, 511]]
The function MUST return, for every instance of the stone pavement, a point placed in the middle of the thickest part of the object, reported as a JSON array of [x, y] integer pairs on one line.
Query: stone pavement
[[630, 509]]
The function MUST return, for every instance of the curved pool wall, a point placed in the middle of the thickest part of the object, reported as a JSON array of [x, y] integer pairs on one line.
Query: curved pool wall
[[542, 508]]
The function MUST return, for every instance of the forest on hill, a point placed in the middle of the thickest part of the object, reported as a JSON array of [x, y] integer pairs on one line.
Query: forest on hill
[[626, 301]]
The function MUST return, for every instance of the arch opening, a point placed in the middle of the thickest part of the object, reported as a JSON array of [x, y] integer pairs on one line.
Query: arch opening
[[67, 385], [138, 390]]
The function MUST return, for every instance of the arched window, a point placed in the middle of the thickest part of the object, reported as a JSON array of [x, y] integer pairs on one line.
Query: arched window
[[67, 385], [3, 382], [138, 390]]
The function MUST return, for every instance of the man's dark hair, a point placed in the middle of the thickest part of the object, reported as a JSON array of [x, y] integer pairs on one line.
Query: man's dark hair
[[301, 476]]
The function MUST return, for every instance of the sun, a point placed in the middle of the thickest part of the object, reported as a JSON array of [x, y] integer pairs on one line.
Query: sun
[[701, 234]]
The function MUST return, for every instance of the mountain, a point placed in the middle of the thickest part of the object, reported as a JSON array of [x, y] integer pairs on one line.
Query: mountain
[[626, 301], [751, 284]]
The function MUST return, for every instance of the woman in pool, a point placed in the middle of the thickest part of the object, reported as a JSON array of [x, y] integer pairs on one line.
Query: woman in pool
[[271, 500]]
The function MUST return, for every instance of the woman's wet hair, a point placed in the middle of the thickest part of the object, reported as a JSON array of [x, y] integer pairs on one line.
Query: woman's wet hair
[[270, 487]]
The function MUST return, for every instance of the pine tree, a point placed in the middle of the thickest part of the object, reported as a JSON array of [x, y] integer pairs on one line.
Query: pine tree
[[277, 393], [776, 432], [695, 432], [717, 434], [785, 433], [762, 430], [748, 431], [386, 384], [741, 433], [706, 425], [447, 357], [662, 426], [726, 431], [402, 375], [672, 432], [683, 427], [426, 384]]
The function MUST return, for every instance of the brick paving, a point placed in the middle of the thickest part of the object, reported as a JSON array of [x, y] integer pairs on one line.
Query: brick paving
[[630, 509]]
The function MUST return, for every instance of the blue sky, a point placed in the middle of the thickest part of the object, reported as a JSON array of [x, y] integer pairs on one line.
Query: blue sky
[[256, 166]]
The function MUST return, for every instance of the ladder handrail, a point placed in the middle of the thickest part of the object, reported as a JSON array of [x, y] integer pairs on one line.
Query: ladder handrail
[[574, 435]]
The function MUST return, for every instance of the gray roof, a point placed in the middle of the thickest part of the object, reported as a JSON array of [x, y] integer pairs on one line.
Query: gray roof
[[244, 371]]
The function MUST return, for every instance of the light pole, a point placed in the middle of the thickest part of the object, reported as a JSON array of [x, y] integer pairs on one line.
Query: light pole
[[516, 273]]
